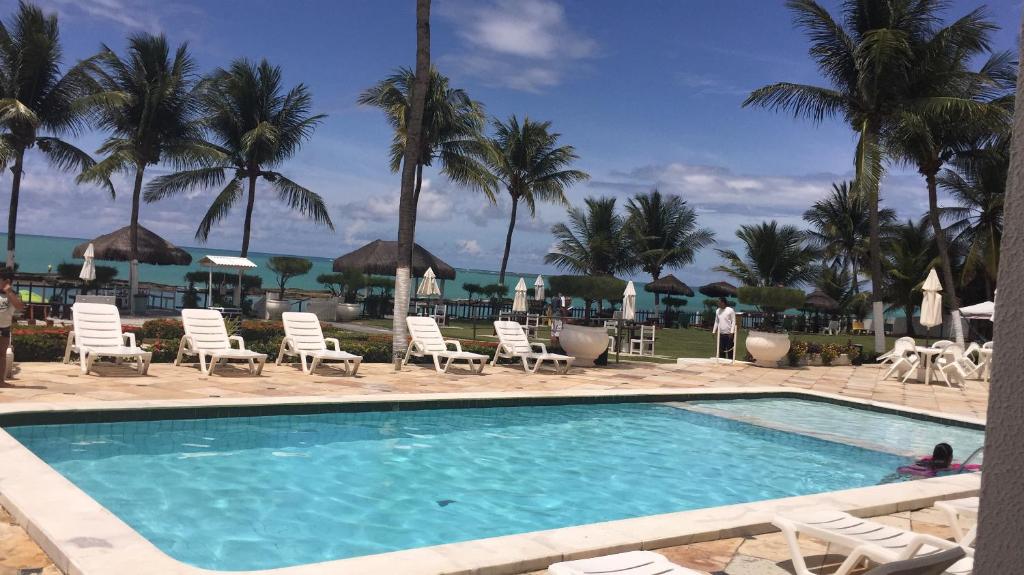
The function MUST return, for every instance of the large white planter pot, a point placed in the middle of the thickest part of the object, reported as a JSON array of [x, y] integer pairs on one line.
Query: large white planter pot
[[276, 307], [767, 348], [348, 311], [584, 343]]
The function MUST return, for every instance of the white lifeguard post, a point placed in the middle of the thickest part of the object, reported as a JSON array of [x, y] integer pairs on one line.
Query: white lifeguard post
[[227, 263]]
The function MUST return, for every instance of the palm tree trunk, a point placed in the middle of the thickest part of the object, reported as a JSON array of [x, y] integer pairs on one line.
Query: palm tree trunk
[[406, 204], [416, 203], [908, 311], [12, 215], [133, 238], [868, 168], [246, 232], [940, 238], [508, 240]]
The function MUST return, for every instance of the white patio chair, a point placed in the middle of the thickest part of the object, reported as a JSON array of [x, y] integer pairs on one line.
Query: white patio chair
[[865, 540], [904, 357], [643, 345], [628, 563], [942, 343], [207, 337], [427, 340], [891, 355], [513, 344], [532, 324], [954, 365], [441, 314], [97, 333], [832, 328], [304, 337]]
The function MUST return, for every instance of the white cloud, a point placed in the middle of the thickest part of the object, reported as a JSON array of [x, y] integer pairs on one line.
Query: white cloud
[[139, 15], [520, 44], [468, 247]]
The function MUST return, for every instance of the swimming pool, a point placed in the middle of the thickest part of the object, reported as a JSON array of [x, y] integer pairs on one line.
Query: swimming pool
[[260, 492]]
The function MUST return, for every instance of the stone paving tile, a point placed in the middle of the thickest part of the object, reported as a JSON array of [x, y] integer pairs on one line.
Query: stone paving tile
[[761, 555]]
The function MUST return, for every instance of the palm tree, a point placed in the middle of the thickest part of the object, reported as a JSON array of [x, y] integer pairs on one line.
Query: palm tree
[[978, 185], [407, 198], [256, 126], [840, 228], [866, 60], [910, 255], [593, 242], [775, 256], [528, 161], [663, 232], [975, 106], [147, 100], [35, 98]]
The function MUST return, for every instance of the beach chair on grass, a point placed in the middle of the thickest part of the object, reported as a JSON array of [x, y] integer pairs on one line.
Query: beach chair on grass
[[427, 340], [865, 540], [304, 337], [628, 563], [513, 344], [207, 337], [97, 333]]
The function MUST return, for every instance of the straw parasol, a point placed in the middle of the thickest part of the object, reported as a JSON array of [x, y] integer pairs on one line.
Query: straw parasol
[[116, 246], [380, 257], [821, 301], [718, 289], [669, 285]]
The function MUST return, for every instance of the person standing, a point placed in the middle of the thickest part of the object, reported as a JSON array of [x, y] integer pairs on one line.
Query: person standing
[[725, 327], [9, 303]]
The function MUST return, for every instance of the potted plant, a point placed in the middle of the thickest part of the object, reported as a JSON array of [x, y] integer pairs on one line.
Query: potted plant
[[586, 343], [769, 344], [344, 288], [285, 268]]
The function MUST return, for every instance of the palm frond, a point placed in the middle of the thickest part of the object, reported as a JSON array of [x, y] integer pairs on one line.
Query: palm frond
[[219, 208], [300, 199], [66, 157], [184, 181]]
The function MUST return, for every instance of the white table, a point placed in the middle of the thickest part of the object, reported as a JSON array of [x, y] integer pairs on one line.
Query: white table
[[985, 361], [927, 355]]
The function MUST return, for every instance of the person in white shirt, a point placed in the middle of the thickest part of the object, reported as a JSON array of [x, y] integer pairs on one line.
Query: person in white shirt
[[9, 303], [725, 327]]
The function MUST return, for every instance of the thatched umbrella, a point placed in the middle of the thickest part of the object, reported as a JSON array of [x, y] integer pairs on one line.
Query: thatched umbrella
[[153, 249], [380, 257], [718, 289], [821, 301], [668, 285]]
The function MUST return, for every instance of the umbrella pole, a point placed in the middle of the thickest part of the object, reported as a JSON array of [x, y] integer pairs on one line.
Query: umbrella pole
[[209, 288]]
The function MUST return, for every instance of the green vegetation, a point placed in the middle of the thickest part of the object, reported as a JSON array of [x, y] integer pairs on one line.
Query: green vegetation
[[345, 284], [594, 241], [285, 268], [588, 288]]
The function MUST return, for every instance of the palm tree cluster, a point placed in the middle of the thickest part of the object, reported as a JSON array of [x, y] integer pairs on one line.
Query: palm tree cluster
[[656, 232], [907, 83], [227, 130]]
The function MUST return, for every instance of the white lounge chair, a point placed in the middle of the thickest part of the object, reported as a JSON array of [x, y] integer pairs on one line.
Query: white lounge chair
[[513, 344], [957, 510], [97, 333], [832, 328], [865, 540], [427, 340], [628, 563], [934, 564], [207, 337], [304, 337]]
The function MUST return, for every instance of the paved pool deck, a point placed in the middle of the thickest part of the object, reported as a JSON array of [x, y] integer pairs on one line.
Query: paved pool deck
[[54, 383]]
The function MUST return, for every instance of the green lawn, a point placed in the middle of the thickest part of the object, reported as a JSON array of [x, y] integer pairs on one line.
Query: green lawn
[[671, 343]]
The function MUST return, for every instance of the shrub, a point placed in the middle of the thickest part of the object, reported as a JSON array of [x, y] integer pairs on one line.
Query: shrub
[[829, 352], [163, 350], [39, 345], [772, 301], [797, 351], [170, 329]]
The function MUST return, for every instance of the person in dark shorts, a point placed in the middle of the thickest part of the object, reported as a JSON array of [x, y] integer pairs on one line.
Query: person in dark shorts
[[9, 303], [725, 329]]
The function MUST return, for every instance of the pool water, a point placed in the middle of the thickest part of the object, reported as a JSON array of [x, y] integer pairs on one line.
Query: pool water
[[263, 492]]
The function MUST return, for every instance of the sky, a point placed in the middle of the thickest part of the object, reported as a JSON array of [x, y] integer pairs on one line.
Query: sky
[[648, 92]]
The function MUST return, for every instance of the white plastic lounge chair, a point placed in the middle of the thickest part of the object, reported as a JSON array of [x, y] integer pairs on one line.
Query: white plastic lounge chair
[[427, 340], [865, 540], [957, 510], [643, 345], [206, 336], [97, 333], [304, 337], [628, 563], [904, 358], [892, 354], [513, 344], [934, 564]]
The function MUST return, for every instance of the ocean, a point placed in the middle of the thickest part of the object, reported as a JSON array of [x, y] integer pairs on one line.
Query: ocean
[[35, 253]]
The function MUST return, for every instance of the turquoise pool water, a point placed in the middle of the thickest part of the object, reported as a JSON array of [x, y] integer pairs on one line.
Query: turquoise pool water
[[264, 492]]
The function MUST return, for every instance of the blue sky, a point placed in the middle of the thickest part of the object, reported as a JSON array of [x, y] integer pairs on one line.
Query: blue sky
[[647, 91]]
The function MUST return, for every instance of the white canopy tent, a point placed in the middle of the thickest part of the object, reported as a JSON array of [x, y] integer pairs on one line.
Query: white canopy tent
[[983, 310], [227, 263]]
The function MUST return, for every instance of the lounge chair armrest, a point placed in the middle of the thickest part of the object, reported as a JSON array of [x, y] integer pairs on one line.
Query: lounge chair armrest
[[333, 341], [543, 348], [129, 337], [238, 338], [455, 342]]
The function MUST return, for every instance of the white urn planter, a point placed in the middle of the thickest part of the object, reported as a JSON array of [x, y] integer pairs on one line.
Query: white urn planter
[[347, 311], [584, 343], [276, 307], [767, 348]]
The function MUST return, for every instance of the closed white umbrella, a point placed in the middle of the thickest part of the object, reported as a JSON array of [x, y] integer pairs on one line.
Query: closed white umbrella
[[629, 303], [519, 300], [538, 289], [931, 305], [428, 285], [88, 272]]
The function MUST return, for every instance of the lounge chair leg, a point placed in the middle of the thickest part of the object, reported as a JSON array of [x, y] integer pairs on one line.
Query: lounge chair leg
[[302, 362], [252, 366], [355, 366], [67, 349], [408, 352], [313, 363], [83, 358], [203, 367], [280, 353], [259, 366], [181, 351]]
